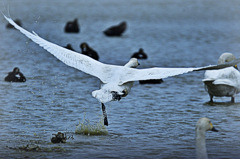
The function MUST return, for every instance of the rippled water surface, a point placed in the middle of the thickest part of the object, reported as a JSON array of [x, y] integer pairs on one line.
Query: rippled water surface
[[153, 121]]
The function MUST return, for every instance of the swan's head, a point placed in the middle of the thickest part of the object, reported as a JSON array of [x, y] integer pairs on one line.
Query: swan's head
[[132, 63], [226, 57], [204, 124]]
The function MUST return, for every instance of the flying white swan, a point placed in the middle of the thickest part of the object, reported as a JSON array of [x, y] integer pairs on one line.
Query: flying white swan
[[116, 80], [223, 82], [203, 125]]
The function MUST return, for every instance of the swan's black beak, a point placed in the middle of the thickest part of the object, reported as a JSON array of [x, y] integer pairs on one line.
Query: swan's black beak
[[213, 129]]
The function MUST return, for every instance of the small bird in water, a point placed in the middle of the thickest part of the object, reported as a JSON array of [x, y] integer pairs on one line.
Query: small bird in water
[[140, 54], [10, 26], [69, 47], [72, 27], [87, 50], [15, 76], [151, 81], [59, 138], [116, 30]]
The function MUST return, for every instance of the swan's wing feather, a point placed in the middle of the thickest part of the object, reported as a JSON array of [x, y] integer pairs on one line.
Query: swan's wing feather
[[225, 82], [228, 76], [221, 66], [131, 74], [226, 73], [70, 58]]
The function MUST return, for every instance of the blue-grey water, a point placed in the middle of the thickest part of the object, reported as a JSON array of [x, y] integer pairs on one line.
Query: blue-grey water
[[153, 121]]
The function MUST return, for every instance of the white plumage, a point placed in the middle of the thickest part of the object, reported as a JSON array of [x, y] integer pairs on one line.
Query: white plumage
[[223, 82], [117, 80]]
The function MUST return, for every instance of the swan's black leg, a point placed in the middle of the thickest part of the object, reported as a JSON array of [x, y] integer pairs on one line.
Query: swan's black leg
[[232, 100], [211, 98], [104, 115]]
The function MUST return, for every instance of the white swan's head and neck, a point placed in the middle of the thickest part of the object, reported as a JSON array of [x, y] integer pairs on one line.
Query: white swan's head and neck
[[132, 63], [203, 125], [226, 57]]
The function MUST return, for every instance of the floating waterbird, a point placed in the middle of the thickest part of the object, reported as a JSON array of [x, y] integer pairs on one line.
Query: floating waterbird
[[140, 54], [151, 81], [87, 50], [72, 27], [223, 82], [116, 80], [116, 30], [69, 46], [15, 76], [203, 125], [59, 138], [10, 26]]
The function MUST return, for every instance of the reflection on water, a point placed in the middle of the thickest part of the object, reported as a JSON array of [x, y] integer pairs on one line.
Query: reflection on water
[[153, 121]]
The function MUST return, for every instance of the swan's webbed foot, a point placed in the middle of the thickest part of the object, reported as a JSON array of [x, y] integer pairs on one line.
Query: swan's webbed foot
[[116, 96], [104, 115]]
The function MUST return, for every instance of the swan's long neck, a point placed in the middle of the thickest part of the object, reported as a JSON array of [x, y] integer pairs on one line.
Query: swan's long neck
[[201, 144]]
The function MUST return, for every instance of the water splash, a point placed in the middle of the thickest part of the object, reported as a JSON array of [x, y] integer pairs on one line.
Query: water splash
[[86, 128]]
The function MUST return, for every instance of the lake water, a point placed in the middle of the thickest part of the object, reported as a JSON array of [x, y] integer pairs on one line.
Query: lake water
[[153, 121]]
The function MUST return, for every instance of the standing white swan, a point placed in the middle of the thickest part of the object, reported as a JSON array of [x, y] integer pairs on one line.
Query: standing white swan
[[224, 82], [116, 80], [203, 125]]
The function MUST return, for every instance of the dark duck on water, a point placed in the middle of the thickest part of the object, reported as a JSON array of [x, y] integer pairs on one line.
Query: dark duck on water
[[69, 46], [15, 76], [140, 54], [116, 30], [72, 27], [87, 50]]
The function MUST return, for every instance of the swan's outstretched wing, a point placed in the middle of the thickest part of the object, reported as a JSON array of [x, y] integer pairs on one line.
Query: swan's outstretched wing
[[70, 58], [104, 72], [131, 74]]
